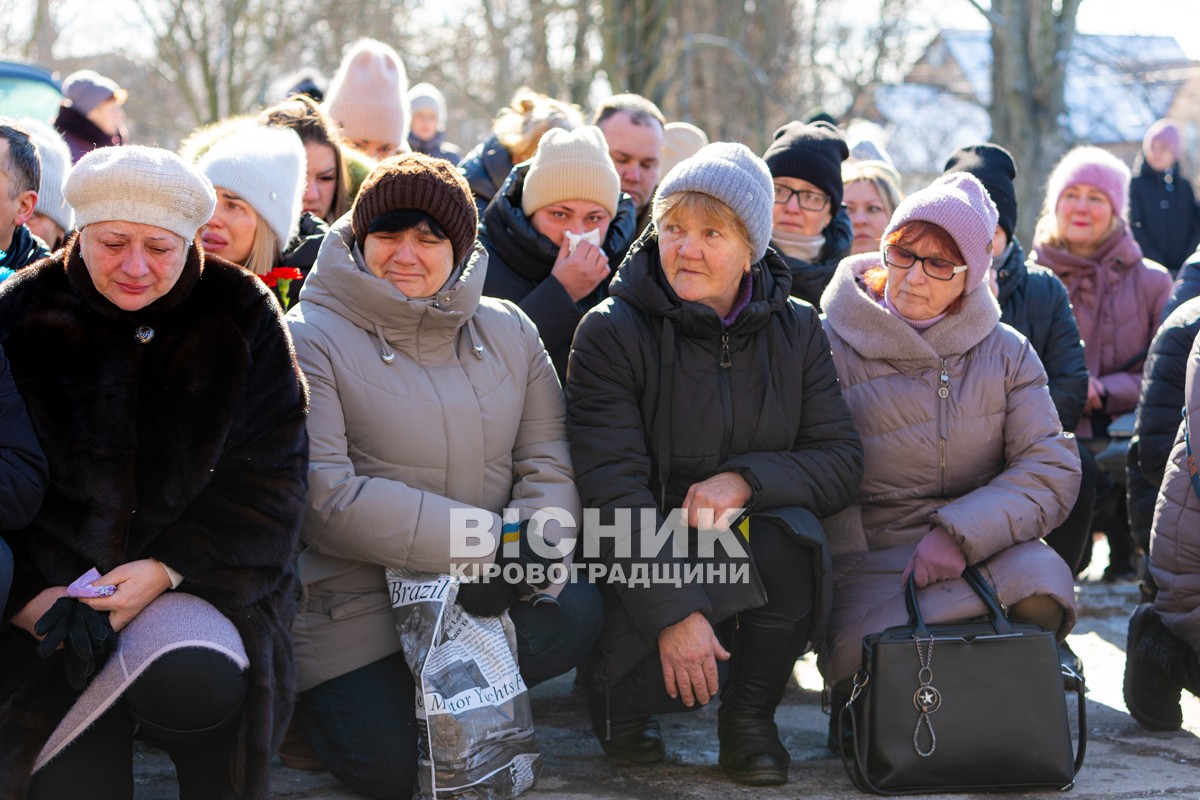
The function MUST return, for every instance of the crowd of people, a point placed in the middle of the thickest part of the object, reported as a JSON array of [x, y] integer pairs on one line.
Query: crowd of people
[[241, 381]]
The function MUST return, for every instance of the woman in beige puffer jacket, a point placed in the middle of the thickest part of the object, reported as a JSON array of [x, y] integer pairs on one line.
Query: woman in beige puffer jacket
[[965, 458], [429, 401]]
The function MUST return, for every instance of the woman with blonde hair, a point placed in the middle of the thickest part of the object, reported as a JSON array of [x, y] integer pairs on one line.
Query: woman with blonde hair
[[514, 139], [1117, 296], [870, 192], [257, 173]]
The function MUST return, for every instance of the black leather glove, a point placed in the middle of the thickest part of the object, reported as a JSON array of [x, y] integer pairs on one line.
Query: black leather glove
[[86, 635], [488, 597]]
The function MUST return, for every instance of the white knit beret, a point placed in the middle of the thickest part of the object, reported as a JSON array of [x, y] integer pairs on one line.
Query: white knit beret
[[55, 158], [140, 184], [266, 168]]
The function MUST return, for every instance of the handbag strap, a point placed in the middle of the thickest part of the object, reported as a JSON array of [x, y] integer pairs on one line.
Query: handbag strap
[[855, 762], [978, 584]]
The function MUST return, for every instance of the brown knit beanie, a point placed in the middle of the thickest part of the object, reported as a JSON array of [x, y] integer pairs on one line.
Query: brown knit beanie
[[417, 181]]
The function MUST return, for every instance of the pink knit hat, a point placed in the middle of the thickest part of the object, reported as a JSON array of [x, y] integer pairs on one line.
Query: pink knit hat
[[958, 204], [1095, 167], [1166, 133], [368, 95]]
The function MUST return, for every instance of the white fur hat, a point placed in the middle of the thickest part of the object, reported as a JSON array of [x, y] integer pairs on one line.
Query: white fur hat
[[266, 168]]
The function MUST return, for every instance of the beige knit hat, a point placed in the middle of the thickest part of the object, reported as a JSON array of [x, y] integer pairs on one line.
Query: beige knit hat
[[140, 184], [680, 140], [571, 165], [368, 94]]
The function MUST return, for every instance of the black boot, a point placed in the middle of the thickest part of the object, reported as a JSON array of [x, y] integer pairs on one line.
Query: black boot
[[1158, 666], [839, 695], [623, 734], [765, 650]]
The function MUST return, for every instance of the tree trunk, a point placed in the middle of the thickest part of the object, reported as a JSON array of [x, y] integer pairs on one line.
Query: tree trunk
[[1030, 44]]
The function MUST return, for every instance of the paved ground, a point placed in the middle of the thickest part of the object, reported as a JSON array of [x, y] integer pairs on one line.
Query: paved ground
[[1123, 760]]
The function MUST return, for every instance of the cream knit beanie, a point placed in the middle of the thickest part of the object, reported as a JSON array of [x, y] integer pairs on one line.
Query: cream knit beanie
[[571, 165], [368, 94], [266, 168], [140, 184]]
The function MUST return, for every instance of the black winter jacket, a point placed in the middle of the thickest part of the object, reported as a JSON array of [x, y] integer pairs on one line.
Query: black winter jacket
[[437, 147], [1034, 301], [1158, 415], [23, 469], [1163, 215], [760, 398], [185, 443], [486, 167], [25, 249], [1187, 285], [520, 260], [809, 279], [301, 254]]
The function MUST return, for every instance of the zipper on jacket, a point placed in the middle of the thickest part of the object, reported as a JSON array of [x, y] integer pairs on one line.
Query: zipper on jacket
[[726, 400], [943, 412]]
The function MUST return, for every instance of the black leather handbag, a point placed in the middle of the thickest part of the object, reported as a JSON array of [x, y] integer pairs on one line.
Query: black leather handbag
[[961, 707]]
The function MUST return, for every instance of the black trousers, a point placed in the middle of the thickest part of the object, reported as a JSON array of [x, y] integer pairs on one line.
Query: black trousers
[[1073, 538], [187, 701], [786, 568]]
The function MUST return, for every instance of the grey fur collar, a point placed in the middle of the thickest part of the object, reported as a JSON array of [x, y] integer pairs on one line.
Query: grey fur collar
[[874, 333]]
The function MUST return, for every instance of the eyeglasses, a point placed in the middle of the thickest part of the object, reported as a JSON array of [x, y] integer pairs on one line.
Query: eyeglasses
[[809, 201], [937, 268]]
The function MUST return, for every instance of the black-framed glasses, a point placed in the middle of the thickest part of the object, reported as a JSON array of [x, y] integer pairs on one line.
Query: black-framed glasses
[[808, 200], [939, 269]]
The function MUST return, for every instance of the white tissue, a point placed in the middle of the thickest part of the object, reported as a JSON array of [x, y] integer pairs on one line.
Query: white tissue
[[591, 237]]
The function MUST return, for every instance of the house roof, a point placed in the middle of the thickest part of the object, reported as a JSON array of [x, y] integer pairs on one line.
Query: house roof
[[1116, 87]]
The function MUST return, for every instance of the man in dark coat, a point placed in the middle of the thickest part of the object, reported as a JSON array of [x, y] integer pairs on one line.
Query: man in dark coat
[[165, 393], [635, 130], [20, 176]]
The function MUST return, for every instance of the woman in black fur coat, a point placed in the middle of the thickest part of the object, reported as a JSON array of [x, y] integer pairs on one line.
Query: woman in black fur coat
[[165, 392]]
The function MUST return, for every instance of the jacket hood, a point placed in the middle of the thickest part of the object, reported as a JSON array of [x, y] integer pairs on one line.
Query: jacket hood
[[641, 282], [510, 234], [341, 283], [875, 333], [1012, 272]]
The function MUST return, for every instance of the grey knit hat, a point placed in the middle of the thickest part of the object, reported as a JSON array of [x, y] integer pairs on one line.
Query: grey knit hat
[[958, 204], [140, 184], [427, 96], [266, 168], [55, 157], [731, 173]]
